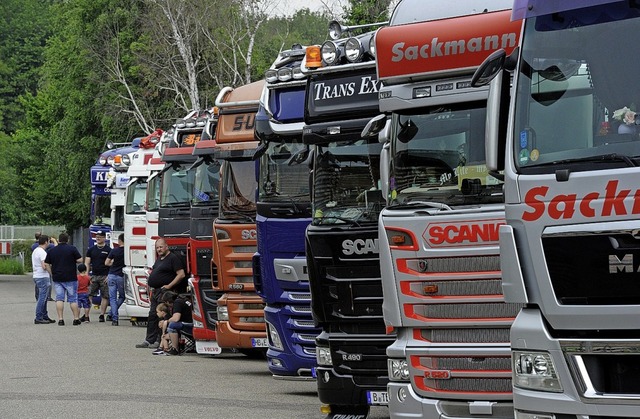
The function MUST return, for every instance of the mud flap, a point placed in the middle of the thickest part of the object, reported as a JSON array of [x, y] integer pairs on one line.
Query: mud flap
[[348, 412]]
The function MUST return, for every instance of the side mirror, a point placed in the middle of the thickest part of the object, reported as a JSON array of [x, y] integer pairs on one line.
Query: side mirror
[[374, 126], [489, 68]]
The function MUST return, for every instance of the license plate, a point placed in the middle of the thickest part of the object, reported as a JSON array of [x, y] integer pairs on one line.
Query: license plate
[[208, 347], [378, 398], [260, 342]]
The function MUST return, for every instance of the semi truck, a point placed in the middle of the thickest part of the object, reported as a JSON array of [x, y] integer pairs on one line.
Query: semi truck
[[136, 304], [117, 180], [341, 244], [154, 167], [205, 205], [283, 213], [240, 310], [438, 234], [177, 184], [569, 248]]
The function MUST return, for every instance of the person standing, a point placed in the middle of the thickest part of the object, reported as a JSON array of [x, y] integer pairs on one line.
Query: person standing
[[83, 292], [167, 274], [52, 243], [62, 261], [42, 280], [94, 259], [115, 278]]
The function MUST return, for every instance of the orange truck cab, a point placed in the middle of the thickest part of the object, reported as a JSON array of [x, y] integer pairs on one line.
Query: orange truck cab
[[240, 310]]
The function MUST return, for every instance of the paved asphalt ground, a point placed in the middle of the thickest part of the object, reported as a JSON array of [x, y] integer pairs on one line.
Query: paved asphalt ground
[[94, 370]]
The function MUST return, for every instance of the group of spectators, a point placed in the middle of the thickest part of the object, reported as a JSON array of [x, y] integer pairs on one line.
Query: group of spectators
[[58, 264], [169, 306]]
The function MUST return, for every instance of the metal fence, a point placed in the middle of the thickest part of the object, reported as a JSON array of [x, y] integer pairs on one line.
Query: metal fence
[[11, 233]]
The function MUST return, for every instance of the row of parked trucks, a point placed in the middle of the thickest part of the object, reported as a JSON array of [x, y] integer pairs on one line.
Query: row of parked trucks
[[346, 217]]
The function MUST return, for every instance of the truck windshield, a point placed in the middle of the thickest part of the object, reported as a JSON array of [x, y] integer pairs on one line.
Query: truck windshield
[[577, 93], [207, 182], [238, 194], [153, 193], [438, 156], [102, 209], [346, 183], [177, 186], [136, 196], [284, 172]]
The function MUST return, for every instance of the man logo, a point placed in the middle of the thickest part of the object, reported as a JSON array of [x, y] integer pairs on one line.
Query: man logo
[[617, 265]]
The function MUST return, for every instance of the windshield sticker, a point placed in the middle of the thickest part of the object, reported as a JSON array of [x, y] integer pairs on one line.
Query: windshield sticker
[[523, 139], [524, 156], [535, 154]]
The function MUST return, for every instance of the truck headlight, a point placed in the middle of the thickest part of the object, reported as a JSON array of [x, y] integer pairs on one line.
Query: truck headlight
[[398, 370], [535, 371], [323, 356], [223, 313], [274, 337], [197, 323]]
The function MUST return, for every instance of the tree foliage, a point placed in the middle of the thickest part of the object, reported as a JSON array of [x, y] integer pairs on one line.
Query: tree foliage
[[362, 12], [75, 74]]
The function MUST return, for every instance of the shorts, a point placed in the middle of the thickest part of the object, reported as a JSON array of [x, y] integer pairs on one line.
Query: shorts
[[83, 300], [99, 282], [186, 328], [69, 288]]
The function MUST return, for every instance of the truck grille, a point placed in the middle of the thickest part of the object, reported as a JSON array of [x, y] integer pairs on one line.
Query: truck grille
[[594, 269], [605, 369], [360, 358], [476, 335], [456, 308], [246, 315], [467, 311], [209, 299], [469, 386]]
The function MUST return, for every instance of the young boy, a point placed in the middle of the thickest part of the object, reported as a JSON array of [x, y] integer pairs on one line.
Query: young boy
[[83, 292], [162, 310]]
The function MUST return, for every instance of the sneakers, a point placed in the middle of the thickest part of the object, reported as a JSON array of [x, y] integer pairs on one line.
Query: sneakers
[[77, 322], [101, 318], [114, 323], [60, 322], [49, 320], [84, 318], [173, 351], [36, 321], [159, 352], [148, 345]]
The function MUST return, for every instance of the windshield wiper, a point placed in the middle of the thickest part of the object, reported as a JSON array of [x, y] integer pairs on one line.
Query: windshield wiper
[[345, 220], [422, 204], [603, 158]]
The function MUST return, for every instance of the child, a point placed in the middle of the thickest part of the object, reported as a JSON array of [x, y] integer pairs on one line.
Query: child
[[83, 291], [162, 310]]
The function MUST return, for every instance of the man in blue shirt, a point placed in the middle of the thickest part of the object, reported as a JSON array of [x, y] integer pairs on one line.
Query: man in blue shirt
[[62, 260], [115, 278]]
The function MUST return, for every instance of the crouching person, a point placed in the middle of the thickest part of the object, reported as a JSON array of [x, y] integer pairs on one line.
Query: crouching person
[[180, 320]]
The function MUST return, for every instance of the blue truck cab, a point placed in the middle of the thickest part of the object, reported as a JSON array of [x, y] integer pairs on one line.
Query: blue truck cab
[[283, 214]]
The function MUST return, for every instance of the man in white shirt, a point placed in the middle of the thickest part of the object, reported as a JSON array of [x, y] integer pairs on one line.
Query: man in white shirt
[[41, 279]]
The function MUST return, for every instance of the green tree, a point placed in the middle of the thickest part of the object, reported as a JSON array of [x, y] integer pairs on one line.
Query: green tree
[[362, 12], [24, 28]]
